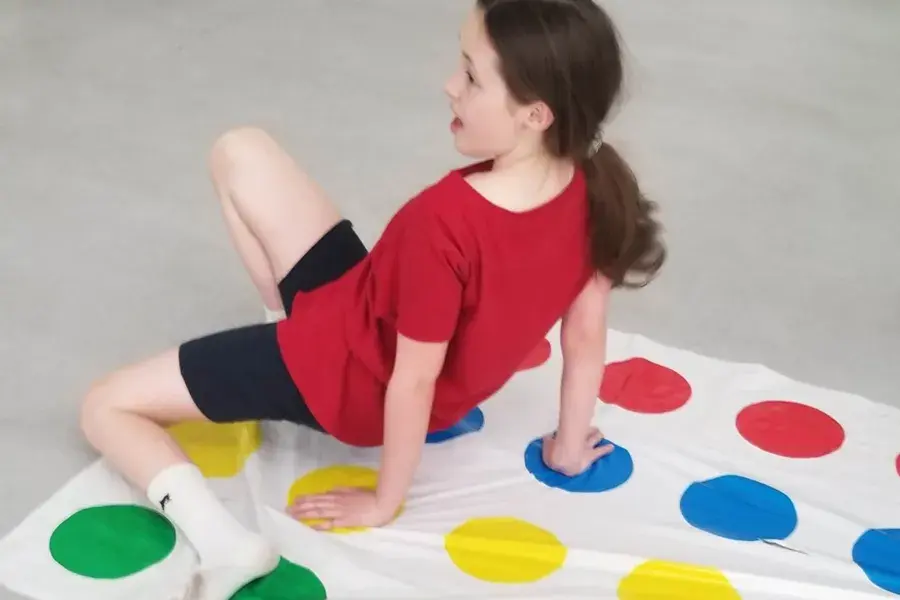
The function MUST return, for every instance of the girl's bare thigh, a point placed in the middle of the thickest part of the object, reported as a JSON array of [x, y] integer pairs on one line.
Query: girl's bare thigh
[[284, 208]]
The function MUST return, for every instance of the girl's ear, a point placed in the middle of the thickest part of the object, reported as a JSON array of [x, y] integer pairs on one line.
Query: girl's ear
[[539, 116]]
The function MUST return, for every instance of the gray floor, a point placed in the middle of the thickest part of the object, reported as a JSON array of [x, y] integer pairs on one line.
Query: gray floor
[[767, 131]]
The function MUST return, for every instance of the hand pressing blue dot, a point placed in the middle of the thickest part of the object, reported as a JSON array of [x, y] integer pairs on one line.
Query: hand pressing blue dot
[[605, 474], [472, 422]]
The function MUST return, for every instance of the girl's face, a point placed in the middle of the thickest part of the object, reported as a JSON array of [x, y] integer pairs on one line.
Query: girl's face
[[486, 121]]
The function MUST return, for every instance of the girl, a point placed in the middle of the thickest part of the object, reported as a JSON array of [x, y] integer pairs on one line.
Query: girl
[[379, 348]]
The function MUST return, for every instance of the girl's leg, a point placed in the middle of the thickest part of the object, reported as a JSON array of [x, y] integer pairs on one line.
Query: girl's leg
[[124, 417], [275, 212]]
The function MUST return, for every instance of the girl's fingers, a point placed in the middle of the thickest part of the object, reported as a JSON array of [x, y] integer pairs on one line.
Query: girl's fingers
[[595, 437], [317, 511], [315, 500], [324, 525], [344, 522], [601, 451], [312, 509]]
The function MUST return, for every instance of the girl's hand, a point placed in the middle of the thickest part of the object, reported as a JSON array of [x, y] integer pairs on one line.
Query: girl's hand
[[341, 507], [574, 457]]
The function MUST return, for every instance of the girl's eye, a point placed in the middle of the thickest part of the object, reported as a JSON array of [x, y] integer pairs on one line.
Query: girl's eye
[[470, 77]]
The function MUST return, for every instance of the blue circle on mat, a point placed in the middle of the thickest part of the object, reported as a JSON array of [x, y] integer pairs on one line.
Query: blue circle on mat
[[739, 508], [605, 474], [877, 553], [472, 422]]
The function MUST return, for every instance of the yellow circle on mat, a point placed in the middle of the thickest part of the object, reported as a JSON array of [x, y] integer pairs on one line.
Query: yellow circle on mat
[[661, 580], [219, 450], [326, 479], [504, 550]]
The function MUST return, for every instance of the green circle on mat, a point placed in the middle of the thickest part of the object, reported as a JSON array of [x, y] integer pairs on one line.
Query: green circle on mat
[[112, 541], [287, 582]]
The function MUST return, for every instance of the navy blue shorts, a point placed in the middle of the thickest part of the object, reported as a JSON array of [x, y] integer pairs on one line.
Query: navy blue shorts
[[238, 374]]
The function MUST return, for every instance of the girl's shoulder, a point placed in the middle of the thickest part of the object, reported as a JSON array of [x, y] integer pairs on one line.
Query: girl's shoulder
[[455, 185]]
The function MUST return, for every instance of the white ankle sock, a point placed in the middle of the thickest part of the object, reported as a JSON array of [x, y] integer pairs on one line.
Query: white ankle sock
[[230, 555], [273, 316]]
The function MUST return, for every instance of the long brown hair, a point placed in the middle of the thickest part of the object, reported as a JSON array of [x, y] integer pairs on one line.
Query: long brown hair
[[566, 53]]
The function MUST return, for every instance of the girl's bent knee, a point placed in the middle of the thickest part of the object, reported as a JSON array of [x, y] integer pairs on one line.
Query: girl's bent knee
[[111, 395], [95, 408], [236, 147]]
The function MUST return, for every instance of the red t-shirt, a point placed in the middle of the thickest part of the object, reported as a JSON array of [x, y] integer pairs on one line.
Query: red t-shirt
[[450, 265]]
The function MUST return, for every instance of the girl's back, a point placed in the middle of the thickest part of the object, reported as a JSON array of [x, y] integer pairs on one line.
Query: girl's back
[[453, 265]]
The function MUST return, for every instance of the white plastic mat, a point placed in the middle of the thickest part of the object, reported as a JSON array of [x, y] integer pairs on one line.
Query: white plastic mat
[[728, 482]]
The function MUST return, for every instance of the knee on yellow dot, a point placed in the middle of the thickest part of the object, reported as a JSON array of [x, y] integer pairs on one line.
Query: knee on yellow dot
[[219, 450], [661, 580], [504, 550], [326, 479]]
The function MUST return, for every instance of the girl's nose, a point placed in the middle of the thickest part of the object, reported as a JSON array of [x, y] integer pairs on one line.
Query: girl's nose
[[451, 86]]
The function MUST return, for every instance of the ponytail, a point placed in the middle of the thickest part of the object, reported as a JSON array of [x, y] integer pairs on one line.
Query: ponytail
[[624, 236]]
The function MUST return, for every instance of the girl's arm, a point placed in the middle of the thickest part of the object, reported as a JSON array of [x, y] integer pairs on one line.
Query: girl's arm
[[583, 340], [407, 412]]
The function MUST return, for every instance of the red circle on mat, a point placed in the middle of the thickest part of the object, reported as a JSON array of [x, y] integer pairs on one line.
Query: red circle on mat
[[642, 386], [537, 357], [790, 429], [898, 464]]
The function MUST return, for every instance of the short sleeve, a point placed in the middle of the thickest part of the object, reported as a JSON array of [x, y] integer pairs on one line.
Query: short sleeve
[[430, 282]]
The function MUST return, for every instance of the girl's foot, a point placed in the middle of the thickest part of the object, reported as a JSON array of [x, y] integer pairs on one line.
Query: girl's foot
[[231, 556]]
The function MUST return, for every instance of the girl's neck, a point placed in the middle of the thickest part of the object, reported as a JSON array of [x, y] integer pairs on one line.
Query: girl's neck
[[532, 179]]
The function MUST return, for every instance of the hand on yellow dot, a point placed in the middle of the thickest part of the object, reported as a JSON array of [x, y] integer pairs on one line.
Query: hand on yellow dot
[[339, 499], [342, 508]]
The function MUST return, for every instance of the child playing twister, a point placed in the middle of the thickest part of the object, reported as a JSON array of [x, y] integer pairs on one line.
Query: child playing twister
[[380, 347]]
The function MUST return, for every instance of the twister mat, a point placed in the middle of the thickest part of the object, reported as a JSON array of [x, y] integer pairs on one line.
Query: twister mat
[[727, 482]]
